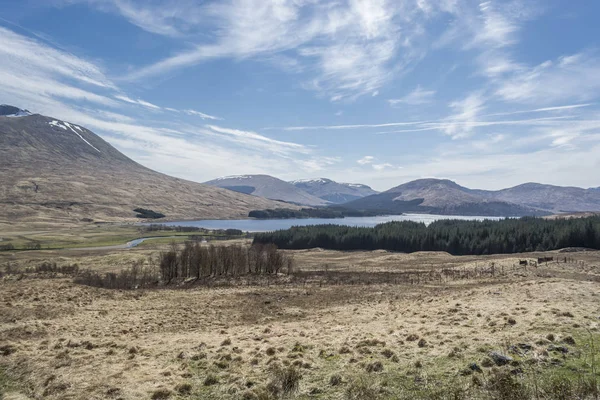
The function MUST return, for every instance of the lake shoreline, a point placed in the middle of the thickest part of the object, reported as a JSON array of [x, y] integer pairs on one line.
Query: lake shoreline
[[266, 225]]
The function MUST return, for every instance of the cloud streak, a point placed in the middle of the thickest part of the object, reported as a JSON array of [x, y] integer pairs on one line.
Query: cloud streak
[[419, 96]]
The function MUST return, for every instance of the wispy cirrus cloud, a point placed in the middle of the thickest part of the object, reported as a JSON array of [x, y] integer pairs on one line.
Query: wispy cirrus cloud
[[50, 81], [129, 100], [419, 96], [351, 48], [202, 115], [571, 77]]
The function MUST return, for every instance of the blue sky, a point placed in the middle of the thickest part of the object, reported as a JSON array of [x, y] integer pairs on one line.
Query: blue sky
[[490, 94]]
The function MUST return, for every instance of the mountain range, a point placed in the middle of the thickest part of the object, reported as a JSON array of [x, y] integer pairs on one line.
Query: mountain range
[[55, 171], [268, 187], [442, 196]]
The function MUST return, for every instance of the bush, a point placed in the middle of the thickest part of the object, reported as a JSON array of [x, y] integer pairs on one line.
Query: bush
[[149, 214], [360, 389], [285, 380], [505, 386], [137, 276], [211, 380]]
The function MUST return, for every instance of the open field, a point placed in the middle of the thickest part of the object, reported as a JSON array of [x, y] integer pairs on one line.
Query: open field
[[345, 327], [82, 236]]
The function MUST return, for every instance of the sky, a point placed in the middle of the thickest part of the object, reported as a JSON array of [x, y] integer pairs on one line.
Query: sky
[[489, 94]]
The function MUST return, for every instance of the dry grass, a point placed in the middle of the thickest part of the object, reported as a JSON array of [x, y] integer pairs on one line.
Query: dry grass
[[314, 341]]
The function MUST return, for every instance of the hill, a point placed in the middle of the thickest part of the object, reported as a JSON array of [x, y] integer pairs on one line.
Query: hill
[[441, 196], [55, 171], [334, 192], [269, 187], [555, 199]]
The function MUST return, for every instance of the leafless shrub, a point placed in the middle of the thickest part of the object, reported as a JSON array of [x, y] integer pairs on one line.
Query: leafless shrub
[[196, 261], [137, 276]]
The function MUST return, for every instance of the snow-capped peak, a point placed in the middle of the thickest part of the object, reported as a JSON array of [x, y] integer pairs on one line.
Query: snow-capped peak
[[11, 111]]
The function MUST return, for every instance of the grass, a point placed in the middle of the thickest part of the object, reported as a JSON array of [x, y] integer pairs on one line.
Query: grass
[[7, 385], [87, 236], [307, 340]]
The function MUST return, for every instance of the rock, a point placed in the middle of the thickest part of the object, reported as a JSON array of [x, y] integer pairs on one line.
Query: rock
[[500, 359], [487, 363], [521, 348], [569, 340], [475, 367], [559, 349]]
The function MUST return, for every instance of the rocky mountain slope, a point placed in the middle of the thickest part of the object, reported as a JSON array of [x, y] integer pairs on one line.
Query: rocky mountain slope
[[52, 171], [269, 187], [441, 196], [334, 192]]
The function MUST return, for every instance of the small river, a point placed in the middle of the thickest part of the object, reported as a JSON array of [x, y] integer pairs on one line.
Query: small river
[[265, 225]]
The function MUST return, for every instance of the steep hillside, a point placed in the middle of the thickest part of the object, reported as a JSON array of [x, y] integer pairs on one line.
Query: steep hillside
[[334, 192], [439, 196], [269, 187], [53, 171]]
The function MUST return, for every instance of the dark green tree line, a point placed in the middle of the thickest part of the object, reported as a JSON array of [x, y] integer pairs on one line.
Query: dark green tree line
[[453, 236]]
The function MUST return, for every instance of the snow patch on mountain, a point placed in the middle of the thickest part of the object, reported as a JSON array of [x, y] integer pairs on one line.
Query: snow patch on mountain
[[12, 111], [316, 180], [240, 177], [67, 126]]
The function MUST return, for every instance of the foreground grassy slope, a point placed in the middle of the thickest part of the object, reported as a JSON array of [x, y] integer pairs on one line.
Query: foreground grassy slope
[[317, 339]]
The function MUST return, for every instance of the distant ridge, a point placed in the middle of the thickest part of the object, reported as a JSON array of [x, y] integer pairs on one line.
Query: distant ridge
[[55, 171], [269, 187], [334, 192], [439, 196]]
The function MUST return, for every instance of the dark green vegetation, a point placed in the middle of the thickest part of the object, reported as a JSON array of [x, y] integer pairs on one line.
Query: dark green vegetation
[[453, 236], [214, 233], [329, 212], [146, 213]]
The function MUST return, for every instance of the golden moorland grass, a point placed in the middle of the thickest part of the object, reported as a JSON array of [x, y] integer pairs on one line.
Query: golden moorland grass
[[310, 338]]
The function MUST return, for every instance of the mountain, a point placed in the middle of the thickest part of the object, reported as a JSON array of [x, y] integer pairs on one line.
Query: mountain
[[269, 187], [555, 199], [55, 171], [440, 196], [12, 111], [332, 191]]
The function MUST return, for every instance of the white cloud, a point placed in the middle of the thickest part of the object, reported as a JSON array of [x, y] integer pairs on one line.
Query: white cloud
[[418, 96], [574, 77], [202, 115], [258, 140], [139, 101], [366, 160], [467, 110], [55, 83], [173, 18], [381, 167], [352, 47]]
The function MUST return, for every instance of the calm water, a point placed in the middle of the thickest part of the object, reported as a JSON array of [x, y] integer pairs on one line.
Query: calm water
[[264, 225]]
